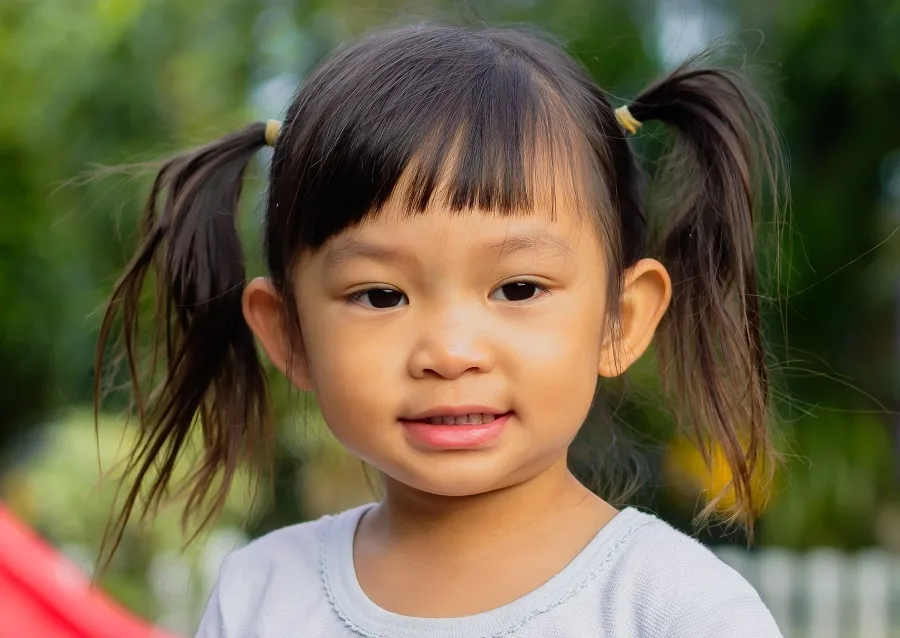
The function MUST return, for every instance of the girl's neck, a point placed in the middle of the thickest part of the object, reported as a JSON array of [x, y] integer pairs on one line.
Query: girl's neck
[[418, 521]]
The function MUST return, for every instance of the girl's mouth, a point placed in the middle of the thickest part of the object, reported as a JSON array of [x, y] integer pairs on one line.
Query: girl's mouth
[[468, 431]]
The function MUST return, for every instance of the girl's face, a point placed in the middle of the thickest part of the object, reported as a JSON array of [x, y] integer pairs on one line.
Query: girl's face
[[407, 318]]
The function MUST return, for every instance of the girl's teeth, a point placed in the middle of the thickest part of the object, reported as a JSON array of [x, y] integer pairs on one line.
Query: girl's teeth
[[463, 419]]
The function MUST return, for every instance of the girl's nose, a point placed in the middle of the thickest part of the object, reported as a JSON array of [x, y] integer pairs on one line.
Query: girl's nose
[[450, 349]]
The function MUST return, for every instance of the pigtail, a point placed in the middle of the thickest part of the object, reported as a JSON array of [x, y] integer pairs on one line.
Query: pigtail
[[711, 344], [211, 376]]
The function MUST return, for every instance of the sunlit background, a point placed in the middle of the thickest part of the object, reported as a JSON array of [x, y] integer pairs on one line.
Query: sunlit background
[[105, 82]]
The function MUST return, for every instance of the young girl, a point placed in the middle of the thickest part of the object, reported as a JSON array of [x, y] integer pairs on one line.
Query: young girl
[[457, 249]]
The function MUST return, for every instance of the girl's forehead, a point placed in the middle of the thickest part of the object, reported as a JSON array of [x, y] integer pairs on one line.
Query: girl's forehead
[[554, 219], [475, 237], [395, 230]]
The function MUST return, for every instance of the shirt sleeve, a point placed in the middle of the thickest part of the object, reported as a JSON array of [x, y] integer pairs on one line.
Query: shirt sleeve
[[746, 616], [212, 624]]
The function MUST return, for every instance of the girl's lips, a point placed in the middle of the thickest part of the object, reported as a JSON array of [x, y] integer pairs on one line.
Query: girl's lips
[[454, 411], [463, 436]]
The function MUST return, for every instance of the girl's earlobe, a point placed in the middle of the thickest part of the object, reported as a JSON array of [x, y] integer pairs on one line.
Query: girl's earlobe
[[264, 312], [611, 364]]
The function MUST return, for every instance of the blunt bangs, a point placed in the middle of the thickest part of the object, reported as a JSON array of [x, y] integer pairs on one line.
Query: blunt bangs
[[434, 115]]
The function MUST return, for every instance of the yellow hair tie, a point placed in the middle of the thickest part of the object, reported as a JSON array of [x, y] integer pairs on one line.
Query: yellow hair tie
[[273, 128], [627, 120]]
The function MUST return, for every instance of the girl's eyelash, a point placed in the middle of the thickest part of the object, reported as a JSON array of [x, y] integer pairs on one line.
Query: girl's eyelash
[[523, 280], [355, 296]]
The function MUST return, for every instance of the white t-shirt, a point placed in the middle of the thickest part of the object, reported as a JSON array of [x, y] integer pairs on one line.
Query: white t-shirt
[[638, 577]]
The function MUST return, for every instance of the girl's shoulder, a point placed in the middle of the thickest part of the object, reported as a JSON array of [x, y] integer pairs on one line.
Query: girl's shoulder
[[679, 582], [266, 585], [658, 553]]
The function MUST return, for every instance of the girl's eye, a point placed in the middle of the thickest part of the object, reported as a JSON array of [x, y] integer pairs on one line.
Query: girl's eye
[[379, 298], [518, 291]]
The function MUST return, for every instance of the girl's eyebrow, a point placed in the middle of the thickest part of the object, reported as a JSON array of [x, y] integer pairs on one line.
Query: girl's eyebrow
[[355, 248], [531, 241], [548, 244]]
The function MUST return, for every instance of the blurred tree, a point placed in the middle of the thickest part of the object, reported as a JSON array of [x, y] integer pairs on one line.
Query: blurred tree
[[88, 83], [838, 77]]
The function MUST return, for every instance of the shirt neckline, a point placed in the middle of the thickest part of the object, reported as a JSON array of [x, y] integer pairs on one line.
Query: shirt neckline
[[362, 615]]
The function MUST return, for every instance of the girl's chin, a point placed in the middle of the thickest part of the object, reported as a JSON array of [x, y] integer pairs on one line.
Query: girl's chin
[[449, 482]]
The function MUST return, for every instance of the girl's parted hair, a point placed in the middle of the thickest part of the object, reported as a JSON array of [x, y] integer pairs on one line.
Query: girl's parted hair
[[474, 116]]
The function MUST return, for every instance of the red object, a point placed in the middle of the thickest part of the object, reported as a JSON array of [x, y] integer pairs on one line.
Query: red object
[[45, 595]]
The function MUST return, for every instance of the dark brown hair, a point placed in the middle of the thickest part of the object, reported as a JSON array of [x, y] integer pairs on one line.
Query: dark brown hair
[[476, 112]]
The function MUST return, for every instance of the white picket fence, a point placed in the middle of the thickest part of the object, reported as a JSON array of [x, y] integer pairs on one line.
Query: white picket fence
[[816, 594], [825, 593]]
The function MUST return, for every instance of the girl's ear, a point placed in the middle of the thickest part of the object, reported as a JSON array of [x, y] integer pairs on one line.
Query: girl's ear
[[645, 296], [264, 312]]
